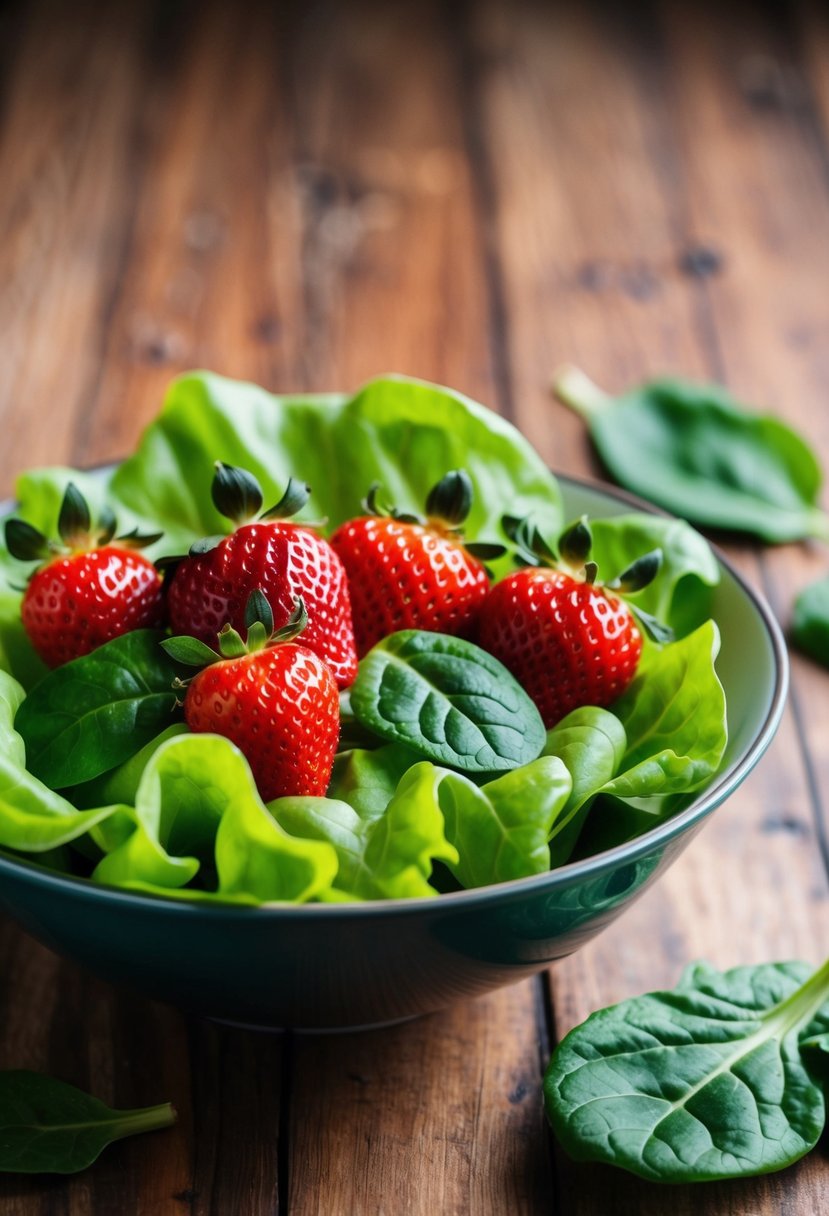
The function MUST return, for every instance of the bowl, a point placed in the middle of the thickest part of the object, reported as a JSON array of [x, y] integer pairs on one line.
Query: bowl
[[334, 966]]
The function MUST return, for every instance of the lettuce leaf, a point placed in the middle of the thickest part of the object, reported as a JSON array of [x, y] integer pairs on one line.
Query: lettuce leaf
[[674, 718], [404, 433], [182, 817], [591, 742], [674, 715], [501, 829], [33, 818], [197, 796], [366, 780], [682, 594], [388, 857]]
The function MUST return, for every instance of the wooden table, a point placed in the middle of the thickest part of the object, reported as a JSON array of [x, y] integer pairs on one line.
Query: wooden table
[[311, 196]]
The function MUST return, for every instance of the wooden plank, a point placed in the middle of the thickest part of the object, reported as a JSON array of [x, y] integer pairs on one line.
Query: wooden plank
[[338, 220], [275, 239], [70, 98], [443, 1113], [439, 1115], [73, 175], [585, 192]]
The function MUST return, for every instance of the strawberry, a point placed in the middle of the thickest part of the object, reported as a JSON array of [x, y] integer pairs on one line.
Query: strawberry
[[276, 700], [90, 588], [407, 572], [212, 585], [568, 640]]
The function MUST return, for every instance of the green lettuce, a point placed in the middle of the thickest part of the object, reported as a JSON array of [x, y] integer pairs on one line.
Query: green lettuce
[[404, 433], [681, 594], [389, 857], [182, 817]]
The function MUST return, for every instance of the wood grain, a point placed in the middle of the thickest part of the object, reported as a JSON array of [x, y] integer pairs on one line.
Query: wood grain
[[308, 195], [685, 135]]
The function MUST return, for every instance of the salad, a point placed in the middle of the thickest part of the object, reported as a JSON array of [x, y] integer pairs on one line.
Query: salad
[[409, 676]]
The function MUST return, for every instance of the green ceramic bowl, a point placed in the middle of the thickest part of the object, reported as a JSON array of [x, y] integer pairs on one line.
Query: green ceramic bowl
[[326, 966]]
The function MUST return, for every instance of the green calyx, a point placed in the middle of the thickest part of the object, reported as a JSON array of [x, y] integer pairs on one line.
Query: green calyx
[[572, 556], [238, 496], [259, 634], [451, 499], [448, 504], [76, 532]]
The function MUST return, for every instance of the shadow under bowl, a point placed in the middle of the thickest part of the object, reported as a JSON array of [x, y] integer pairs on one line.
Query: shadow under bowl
[[326, 967]]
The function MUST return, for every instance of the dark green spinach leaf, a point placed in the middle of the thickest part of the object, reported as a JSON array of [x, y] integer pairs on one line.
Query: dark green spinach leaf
[[717, 1079], [95, 712], [49, 1127], [447, 700], [810, 621], [695, 451]]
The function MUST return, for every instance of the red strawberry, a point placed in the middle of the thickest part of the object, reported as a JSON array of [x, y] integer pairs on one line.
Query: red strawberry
[[211, 587], [568, 640], [406, 572], [90, 588], [276, 700]]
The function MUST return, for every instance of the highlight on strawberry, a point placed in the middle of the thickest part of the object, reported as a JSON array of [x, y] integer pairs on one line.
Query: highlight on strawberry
[[567, 638], [266, 550], [273, 697], [91, 586], [409, 571]]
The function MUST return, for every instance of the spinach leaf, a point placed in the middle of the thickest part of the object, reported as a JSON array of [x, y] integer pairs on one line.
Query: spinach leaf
[[121, 784], [591, 742], [681, 596], [49, 1127], [708, 1081], [699, 454], [448, 700], [501, 829], [674, 718], [810, 621], [93, 713]]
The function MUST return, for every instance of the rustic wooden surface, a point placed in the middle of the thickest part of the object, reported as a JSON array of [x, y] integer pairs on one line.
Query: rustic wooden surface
[[305, 198]]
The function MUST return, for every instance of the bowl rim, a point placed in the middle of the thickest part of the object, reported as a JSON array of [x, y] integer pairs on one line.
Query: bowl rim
[[565, 875]]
